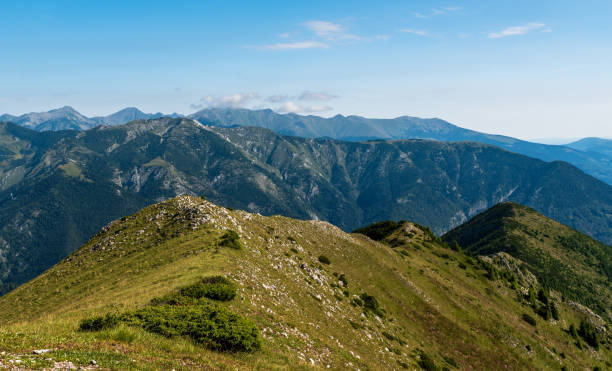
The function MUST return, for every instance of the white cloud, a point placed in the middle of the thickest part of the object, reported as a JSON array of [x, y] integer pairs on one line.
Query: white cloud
[[289, 107], [314, 109], [517, 30], [415, 32], [284, 35], [226, 101], [316, 96], [296, 45], [329, 31], [292, 107]]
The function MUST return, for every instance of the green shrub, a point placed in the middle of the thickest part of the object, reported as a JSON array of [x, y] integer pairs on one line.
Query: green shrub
[[231, 239], [370, 303], [426, 362], [210, 325], [462, 266], [343, 279], [529, 319], [572, 331], [324, 259], [99, 323], [214, 288], [379, 231], [388, 335], [554, 311], [356, 302], [588, 333], [188, 313], [451, 361], [544, 312], [542, 296]]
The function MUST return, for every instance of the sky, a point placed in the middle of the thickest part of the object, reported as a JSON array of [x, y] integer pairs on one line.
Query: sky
[[528, 69]]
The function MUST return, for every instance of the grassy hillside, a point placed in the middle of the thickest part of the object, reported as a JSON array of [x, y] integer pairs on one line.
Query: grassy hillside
[[575, 265], [318, 296]]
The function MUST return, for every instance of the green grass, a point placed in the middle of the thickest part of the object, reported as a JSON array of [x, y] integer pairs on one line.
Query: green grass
[[428, 305]]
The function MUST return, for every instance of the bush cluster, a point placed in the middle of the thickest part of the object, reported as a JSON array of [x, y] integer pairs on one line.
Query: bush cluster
[[211, 325], [324, 259], [188, 312]]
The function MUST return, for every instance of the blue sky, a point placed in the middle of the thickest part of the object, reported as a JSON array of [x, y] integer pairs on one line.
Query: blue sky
[[530, 69]]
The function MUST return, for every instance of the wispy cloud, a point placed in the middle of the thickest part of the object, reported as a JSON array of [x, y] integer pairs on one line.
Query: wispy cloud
[[324, 35], [316, 96], [298, 45], [278, 98], [517, 30], [226, 101], [438, 11], [329, 31], [415, 32], [292, 107]]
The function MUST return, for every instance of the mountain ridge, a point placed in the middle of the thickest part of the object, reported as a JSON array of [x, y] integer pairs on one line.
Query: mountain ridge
[[117, 170], [319, 297], [561, 258], [348, 128]]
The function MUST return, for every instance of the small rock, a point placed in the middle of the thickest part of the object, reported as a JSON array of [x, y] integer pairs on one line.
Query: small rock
[[93, 362]]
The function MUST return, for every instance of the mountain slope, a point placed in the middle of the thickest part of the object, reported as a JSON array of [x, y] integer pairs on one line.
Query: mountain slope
[[599, 145], [67, 118], [370, 306], [356, 128], [561, 258], [348, 128], [60, 194]]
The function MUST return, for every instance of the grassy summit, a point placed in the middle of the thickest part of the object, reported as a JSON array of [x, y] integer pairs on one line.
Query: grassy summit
[[408, 301], [562, 259]]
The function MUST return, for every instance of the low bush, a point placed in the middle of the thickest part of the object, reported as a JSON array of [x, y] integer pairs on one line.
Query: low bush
[[188, 312], [379, 231], [231, 239], [214, 288], [529, 319], [426, 362], [343, 279], [370, 303], [324, 259], [588, 333], [211, 325], [99, 323]]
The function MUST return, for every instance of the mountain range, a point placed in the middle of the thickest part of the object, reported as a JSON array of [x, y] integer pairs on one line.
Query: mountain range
[[59, 188], [164, 289], [597, 163], [67, 118]]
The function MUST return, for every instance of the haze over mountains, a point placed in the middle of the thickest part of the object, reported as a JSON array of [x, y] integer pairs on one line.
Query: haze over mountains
[[58, 188], [592, 159]]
